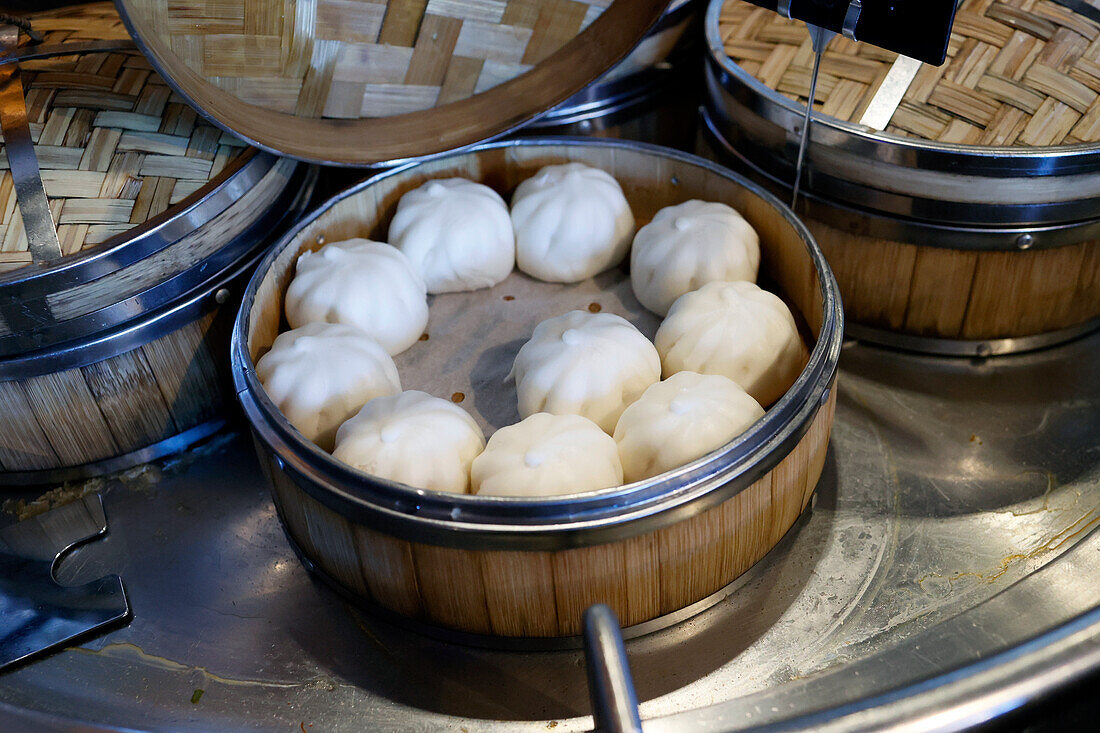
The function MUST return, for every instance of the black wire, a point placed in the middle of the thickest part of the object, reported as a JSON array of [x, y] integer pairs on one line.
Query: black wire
[[22, 24]]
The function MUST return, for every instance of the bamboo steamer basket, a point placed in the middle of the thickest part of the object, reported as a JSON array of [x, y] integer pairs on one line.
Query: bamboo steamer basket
[[111, 349], [969, 224], [362, 83], [652, 95], [489, 568]]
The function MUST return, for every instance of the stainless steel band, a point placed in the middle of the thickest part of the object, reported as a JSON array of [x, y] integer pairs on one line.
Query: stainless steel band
[[867, 222]]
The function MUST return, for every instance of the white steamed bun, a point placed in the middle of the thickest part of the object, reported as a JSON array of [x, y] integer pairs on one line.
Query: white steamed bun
[[571, 221], [457, 234], [547, 455], [580, 363], [737, 330], [688, 245], [361, 283], [320, 374], [412, 437], [675, 421]]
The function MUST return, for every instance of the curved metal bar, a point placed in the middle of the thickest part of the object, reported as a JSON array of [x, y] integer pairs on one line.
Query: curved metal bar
[[610, 686], [49, 50], [30, 192], [491, 522]]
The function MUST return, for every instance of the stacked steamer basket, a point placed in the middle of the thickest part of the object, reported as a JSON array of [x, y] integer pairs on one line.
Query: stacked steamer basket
[[512, 567], [959, 206], [652, 95], [111, 344], [362, 84]]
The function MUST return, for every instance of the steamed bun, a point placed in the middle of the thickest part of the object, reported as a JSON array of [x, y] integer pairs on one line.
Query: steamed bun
[[547, 455], [688, 245], [589, 364], [320, 374], [675, 421], [370, 285], [735, 329], [414, 438], [571, 221], [457, 234]]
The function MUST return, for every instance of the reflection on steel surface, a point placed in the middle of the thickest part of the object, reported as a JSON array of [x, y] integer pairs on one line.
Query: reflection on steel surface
[[952, 524], [36, 613]]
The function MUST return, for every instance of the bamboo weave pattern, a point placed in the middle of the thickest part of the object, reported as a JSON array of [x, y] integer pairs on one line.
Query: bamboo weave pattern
[[1022, 72], [115, 146], [362, 58]]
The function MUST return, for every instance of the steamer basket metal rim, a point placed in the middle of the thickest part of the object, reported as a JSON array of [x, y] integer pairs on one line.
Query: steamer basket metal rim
[[297, 185], [480, 522], [144, 239], [97, 345], [899, 175], [848, 217], [1079, 154]]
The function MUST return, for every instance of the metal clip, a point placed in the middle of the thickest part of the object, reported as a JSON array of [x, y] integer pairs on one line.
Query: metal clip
[[851, 18]]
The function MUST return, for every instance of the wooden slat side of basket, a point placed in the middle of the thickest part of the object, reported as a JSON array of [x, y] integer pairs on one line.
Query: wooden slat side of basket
[[1022, 72], [545, 593], [118, 405], [961, 294]]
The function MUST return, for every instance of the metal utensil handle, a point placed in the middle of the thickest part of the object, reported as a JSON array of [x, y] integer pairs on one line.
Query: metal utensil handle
[[614, 701], [820, 38], [30, 191]]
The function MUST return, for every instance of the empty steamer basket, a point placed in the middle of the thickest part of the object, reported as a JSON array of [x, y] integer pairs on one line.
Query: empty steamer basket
[[959, 206], [652, 95], [491, 567], [112, 350]]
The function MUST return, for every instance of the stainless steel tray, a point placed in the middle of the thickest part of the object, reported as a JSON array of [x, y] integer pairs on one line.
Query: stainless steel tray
[[949, 572]]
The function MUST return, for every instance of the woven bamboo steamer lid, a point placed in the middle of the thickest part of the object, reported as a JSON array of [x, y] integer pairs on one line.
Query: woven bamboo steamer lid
[[359, 83], [115, 146], [1007, 131], [139, 187], [112, 350]]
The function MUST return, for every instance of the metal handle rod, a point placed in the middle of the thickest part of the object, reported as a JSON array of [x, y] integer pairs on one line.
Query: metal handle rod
[[610, 686], [820, 38]]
